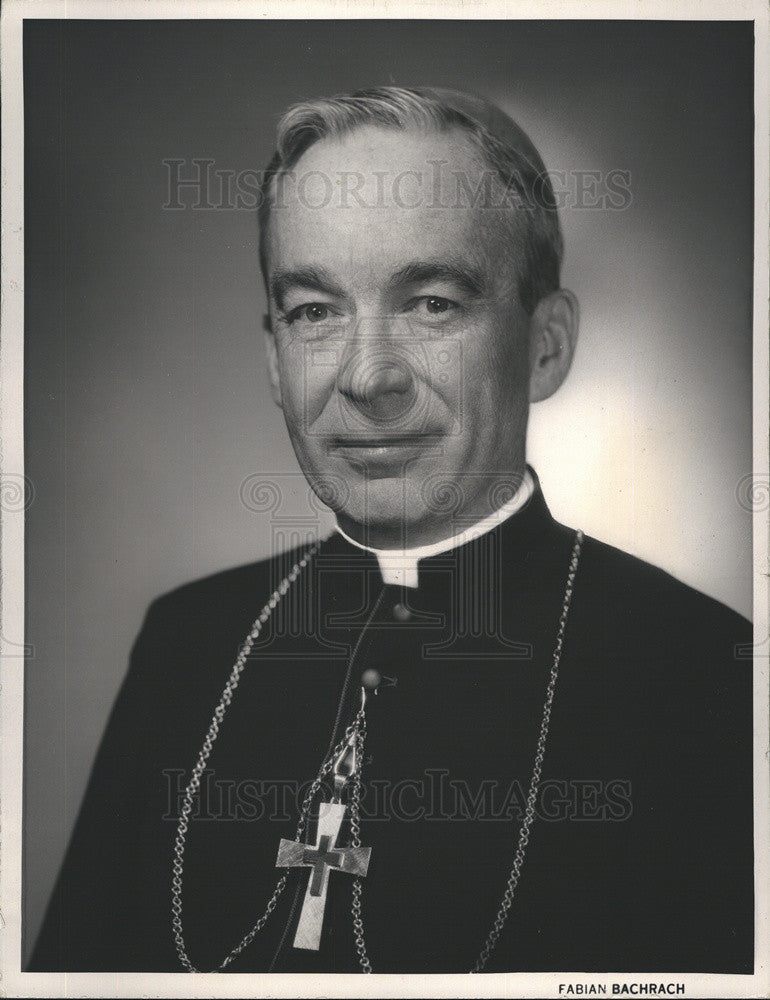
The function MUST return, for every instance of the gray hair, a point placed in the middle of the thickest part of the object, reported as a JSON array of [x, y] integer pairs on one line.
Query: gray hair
[[504, 146]]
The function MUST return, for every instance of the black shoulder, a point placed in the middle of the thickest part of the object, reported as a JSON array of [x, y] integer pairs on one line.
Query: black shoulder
[[627, 583], [195, 629], [672, 662], [249, 585], [644, 614]]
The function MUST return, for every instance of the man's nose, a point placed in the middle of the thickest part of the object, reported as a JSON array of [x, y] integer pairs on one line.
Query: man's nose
[[377, 375]]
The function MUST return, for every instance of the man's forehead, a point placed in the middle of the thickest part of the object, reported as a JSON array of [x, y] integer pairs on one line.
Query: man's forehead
[[388, 195], [382, 167]]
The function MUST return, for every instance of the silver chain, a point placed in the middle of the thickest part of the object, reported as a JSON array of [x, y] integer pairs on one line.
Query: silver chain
[[357, 731], [194, 785], [529, 812], [534, 785], [355, 840]]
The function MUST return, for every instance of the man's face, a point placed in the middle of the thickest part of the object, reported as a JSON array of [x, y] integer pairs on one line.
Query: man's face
[[399, 350]]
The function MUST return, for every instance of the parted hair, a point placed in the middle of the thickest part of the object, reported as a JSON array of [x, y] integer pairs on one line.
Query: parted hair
[[503, 145]]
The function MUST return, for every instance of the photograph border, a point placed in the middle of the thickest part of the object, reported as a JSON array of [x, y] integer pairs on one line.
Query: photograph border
[[13, 981]]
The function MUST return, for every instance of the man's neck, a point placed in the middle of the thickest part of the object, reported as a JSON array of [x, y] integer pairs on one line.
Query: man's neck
[[402, 535], [399, 565]]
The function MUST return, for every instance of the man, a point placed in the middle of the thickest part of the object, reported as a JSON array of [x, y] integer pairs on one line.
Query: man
[[494, 745]]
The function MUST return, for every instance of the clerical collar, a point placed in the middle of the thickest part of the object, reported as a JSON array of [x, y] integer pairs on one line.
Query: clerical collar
[[399, 566]]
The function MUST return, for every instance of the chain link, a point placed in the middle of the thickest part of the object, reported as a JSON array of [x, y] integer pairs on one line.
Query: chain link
[[534, 786], [529, 812], [194, 785], [357, 732], [355, 840]]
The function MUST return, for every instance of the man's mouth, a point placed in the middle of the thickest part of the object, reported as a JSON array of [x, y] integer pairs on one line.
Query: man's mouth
[[385, 441], [383, 455]]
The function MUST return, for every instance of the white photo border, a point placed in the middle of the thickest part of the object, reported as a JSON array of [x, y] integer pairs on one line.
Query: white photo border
[[13, 981]]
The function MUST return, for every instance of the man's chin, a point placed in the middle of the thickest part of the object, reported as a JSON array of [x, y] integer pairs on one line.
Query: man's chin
[[385, 512]]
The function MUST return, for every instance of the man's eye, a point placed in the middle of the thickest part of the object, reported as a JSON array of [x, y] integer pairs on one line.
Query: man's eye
[[314, 312], [434, 305]]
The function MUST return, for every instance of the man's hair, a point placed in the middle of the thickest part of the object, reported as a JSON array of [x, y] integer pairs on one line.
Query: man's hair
[[503, 146]]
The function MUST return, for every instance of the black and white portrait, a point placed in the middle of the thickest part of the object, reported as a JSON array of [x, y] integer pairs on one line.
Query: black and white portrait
[[391, 493]]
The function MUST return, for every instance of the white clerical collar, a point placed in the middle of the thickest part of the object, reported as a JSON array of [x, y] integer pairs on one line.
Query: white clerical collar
[[399, 566]]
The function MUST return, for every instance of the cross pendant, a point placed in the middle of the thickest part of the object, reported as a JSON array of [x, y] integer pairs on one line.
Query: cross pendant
[[322, 859]]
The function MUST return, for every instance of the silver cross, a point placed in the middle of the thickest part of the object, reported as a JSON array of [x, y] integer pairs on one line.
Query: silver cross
[[322, 858]]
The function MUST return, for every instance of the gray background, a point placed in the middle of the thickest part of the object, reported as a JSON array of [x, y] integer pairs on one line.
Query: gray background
[[146, 403]]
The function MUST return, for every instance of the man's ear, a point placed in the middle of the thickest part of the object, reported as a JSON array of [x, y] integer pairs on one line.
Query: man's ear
[[553, 337], [272, 360]]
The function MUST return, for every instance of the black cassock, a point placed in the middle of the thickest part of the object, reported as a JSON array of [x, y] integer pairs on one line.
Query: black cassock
[[640, 856]]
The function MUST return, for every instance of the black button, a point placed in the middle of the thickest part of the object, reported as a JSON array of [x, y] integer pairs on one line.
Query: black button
[[401, 612]]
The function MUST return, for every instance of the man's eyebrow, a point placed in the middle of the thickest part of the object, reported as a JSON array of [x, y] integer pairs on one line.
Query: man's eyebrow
[[471, 279], [317, 278]]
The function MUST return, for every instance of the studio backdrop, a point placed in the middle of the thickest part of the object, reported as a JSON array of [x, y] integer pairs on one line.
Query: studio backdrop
[[150, 432]]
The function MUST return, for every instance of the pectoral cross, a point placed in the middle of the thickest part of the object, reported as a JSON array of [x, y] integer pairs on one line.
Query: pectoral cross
[[322, 858]]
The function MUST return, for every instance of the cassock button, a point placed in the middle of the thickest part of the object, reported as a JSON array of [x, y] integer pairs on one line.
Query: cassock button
[[371, 679], [401, 613]]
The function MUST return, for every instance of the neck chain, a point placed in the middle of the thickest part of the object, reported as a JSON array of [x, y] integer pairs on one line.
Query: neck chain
[[344, 763]]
